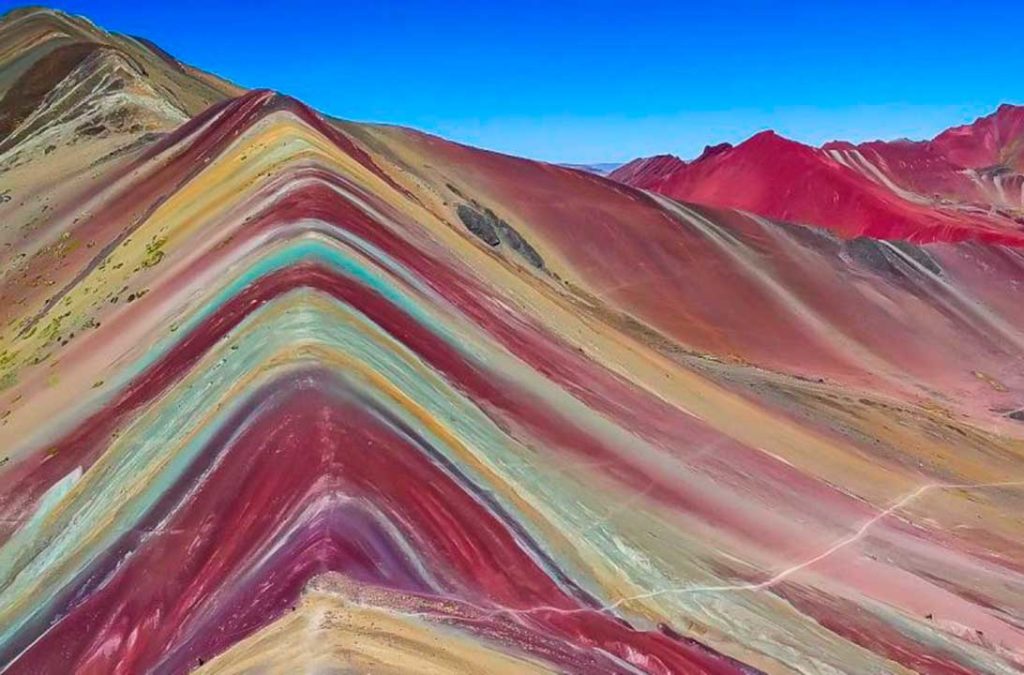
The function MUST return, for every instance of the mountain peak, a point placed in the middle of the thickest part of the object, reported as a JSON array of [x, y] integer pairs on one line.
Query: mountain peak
[[764, 141], [712, 150], [767, 147], [63, 67], [645, 172], [992, 140]]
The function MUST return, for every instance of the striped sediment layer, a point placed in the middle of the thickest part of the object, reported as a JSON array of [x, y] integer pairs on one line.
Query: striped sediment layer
[[276, 400]]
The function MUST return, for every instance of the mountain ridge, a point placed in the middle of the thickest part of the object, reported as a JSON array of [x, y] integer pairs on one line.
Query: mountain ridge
[[965, 183]]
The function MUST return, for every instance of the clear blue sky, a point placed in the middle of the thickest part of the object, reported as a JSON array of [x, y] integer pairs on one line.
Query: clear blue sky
[[605, 81]]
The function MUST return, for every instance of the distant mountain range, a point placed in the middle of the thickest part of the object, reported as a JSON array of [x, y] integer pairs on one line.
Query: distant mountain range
[[966, 183], [601, 169]]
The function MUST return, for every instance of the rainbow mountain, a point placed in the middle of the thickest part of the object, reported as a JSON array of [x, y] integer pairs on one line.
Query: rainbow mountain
[[285, 393]]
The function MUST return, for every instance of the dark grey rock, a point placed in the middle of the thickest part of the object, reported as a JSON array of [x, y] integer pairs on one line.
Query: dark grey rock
[[494, 231], [479, 225]]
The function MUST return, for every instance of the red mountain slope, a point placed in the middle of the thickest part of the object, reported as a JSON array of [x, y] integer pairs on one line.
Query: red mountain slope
[[964, 184], [648, 169]]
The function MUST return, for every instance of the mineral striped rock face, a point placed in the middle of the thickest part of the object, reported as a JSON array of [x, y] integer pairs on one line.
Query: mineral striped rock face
[[282, 393]]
